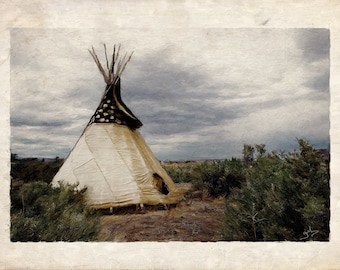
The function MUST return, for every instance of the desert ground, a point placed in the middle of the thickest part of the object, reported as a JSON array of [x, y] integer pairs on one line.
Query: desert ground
[[196, 218]]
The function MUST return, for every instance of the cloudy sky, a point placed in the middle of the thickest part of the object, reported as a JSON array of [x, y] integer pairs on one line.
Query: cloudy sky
[[200, 93]]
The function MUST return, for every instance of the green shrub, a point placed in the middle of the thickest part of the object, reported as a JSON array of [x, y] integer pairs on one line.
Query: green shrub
[[218, 177], [285, 197], [41, 212], [179, 174], [33, 169]]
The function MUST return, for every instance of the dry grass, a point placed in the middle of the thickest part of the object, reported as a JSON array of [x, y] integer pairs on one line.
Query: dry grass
[[193, 219]]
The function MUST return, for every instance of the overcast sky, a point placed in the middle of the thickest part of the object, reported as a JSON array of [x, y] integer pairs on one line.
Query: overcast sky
[[200, 93]]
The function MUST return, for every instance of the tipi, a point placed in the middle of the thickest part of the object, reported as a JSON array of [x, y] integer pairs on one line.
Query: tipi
[[111, 157]]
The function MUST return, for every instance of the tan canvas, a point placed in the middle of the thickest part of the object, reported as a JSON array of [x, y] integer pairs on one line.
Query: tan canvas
[[117, 167]]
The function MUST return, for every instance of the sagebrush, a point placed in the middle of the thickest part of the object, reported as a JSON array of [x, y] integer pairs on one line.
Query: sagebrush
[[285, 197], [40, 212]]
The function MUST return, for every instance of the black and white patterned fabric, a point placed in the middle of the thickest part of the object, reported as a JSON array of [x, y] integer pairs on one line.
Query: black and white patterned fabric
[[113, 110]]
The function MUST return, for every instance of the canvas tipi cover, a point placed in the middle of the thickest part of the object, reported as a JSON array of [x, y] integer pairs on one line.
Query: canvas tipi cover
[[111, 157]]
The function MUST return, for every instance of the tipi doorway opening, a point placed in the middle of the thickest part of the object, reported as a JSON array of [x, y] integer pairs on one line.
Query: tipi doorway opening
[[160, 184]]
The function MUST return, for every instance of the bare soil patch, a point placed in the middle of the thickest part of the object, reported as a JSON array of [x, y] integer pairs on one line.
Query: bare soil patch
[[194, 219]]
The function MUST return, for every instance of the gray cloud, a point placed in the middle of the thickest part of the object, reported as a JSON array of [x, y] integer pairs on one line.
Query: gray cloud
[[320, 82], [26, 121], [198, 98], [314, 43], [176, 99]]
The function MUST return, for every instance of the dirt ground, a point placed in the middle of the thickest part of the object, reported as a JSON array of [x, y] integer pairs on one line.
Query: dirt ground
[[193, 219]]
